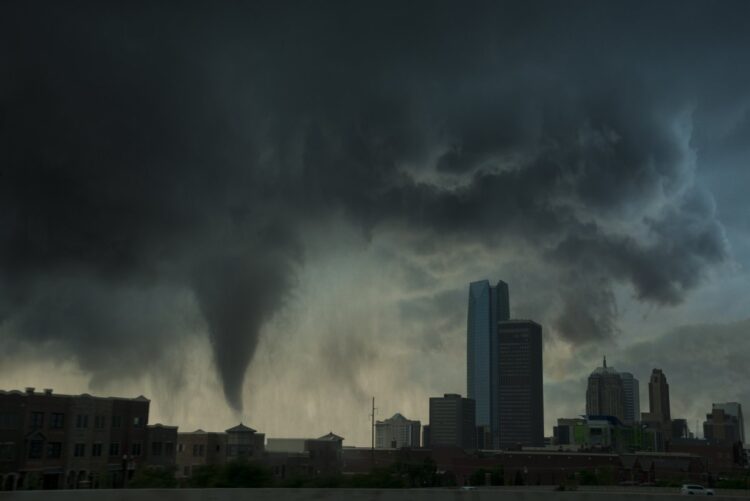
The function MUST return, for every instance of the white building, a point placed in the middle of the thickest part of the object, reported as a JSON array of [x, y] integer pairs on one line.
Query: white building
[[397, 432]]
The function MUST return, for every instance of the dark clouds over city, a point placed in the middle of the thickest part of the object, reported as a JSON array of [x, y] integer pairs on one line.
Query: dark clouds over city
[[172, 173]]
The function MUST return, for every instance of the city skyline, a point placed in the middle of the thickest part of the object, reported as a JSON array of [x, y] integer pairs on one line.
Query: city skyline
[[269, 212]]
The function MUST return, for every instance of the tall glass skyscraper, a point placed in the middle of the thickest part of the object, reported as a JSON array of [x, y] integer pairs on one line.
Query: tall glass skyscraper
[[487, 306]]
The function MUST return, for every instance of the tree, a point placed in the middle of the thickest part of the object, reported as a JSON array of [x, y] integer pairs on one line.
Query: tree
[[153, 478]]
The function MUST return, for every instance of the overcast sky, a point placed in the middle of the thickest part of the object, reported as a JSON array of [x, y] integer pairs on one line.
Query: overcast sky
[[271, 211]]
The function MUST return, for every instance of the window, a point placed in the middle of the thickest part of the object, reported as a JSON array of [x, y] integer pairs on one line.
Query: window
[[79, 450], [54, 449], [186, 471], [136, 449], [8, 421], [168, 448], [218, 448], [156, 448], [82, 421], [35, 449], [195, 449], [180, 447], [37, 420], [137, 421], [200, 450], [96, 450], [114, 449], [99, 422], [57, 420], [116, 421], [7, 451]]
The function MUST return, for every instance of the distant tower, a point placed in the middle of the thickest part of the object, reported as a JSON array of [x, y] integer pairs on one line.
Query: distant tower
[[605, 394], [632, 404], [658, 397], [734, 409], [519, 387], [487, 306], [452, 422]]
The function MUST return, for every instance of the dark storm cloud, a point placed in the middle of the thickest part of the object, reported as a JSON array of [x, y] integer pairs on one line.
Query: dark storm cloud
[[175, 149], [696, 380]]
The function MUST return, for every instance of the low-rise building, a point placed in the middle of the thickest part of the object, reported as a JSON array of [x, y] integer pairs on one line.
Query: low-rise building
[[50, 440], [199, 448], [161, 447]]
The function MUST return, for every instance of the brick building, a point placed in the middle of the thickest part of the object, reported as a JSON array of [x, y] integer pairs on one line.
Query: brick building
[[200, 448], [49, 440]]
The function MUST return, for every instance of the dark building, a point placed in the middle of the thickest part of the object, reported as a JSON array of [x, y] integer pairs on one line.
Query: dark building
[[658, 398], [680, 428], [51, 441], [244, 442], [426, 436], [659, 418], [452, 422], [719, 457], [734, 409], [161, 448], [605, 393], [721, 427], [487, 306], [520, 394], [200, 448]]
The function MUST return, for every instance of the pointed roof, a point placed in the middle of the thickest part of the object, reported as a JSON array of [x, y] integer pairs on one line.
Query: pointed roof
[[241, 428], [604, 369], [332, 437]]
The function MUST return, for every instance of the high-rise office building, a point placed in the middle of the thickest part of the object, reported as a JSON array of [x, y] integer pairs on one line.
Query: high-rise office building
[[452, 422], [487, 306], [519, 386], [659, 418], [632, 399], [605, 393], [658, 397], [397, 432], [734, 409]]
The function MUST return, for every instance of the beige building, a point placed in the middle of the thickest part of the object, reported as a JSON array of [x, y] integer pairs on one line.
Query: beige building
[[199, 448], [397, 432]]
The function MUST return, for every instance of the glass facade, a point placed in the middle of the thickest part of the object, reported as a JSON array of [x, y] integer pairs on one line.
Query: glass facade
[[632, 402], [487, 306]]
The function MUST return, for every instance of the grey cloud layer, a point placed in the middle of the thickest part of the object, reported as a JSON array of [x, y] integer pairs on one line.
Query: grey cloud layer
[[150, 149]]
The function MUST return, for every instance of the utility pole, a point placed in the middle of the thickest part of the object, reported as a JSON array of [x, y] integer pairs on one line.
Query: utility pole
[[372, 432]]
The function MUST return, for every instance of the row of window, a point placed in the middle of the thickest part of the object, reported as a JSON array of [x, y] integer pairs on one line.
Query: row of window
[[198, 449], [54, 449], [57, 420]]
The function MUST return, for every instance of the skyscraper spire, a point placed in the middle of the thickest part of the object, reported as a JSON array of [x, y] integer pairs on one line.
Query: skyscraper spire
[[605, 361]]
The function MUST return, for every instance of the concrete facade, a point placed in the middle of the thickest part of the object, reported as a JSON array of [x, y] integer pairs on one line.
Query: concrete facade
[[397, 432], [199, 448], [452, 422], [519, 385]]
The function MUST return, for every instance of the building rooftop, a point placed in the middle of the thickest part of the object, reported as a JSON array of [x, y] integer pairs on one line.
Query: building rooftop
[[604, 369], [48, 392], [332, 437], [241, 428]]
